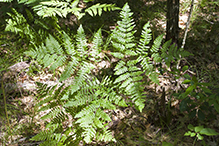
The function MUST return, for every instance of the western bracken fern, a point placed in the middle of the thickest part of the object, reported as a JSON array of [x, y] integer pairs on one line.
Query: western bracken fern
[[79, 95]]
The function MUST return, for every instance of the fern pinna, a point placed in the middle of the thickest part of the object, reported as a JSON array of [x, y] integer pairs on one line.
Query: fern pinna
[[80, 98]]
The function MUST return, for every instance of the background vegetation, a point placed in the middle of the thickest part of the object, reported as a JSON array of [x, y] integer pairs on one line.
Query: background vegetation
[[101, 73]]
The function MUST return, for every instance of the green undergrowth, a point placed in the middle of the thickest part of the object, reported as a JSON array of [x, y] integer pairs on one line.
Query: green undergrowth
[[81, 108]]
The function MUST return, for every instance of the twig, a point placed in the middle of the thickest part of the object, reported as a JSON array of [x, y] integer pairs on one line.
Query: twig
[[186, 31], [187, 25]]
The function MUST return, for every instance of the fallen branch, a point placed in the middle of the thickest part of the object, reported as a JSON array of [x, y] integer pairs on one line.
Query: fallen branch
[[187, 25]]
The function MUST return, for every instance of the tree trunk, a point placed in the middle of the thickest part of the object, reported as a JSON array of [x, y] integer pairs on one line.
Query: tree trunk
[[172, 29]]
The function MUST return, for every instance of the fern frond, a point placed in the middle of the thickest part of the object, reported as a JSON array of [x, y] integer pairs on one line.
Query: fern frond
[[30, 2], [68, 45], [88, 134], [61, 8], [130, 81], [87, 115], [108, 91], [155, 48], [46, 135], [144, 40], [53, 8], [18, 24], [98, 96], [105, 136], [98, 8], [44, 89], [123, 35], [83, 73], [52, 45], [81, 41], [59, 117], [156, 44], [69, 70], [57, 62], [49, 54], [183, 53], [143, 58], [97, 44]]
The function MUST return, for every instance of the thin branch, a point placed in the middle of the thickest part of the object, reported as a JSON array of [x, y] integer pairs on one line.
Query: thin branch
[[187, 25]]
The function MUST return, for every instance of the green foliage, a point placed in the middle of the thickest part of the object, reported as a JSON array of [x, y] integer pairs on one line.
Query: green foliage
[[86, 98], [6, 0], [62, 8], [198, 131], [18, 24], [166, 144], [79, 96], [31, 29], [98, 8], [123, 35], [207, 100], [173, 54]]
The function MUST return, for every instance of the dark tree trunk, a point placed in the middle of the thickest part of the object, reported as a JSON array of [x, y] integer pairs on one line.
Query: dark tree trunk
[[172, 29]]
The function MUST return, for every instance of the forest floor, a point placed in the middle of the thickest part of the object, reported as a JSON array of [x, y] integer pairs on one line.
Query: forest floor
[[129, 126]]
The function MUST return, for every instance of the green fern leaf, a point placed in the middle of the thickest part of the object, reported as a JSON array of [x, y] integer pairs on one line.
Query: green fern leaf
[[100, 114], [122, 78], [97, 9], [45, 135], [51, 114], [105, 136], [69, 70], [144, 41], [154, 77], [106, 105], [97, 43], [81, 41], [140, 104], [157, 43], [123, 35], [59, 61], [121, 70], [6, 0], [88, 134], [126, 83]]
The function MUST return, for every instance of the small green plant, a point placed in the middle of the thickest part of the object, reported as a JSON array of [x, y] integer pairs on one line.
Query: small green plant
[[198, 100], [199, 131]]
